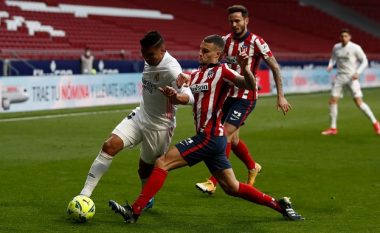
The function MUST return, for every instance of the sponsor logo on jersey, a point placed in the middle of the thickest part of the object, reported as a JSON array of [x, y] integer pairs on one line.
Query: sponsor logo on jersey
[[196, 88]]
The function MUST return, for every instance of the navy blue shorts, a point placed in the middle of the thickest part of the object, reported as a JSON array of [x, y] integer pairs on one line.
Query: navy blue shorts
[[207, 148], [236, 110]]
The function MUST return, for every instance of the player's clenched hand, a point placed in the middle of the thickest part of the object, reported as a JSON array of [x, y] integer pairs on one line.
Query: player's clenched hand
[[283, 104], [242, 58], [168, 91], [183, 80]]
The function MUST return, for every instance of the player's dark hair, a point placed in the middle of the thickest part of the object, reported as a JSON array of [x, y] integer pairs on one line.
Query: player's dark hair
[[344, 30], [152, 39], [216, 40], [238, 8]]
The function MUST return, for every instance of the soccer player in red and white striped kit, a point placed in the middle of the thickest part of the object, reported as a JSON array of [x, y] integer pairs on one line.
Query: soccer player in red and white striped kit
[[209, 86], [241, 102]]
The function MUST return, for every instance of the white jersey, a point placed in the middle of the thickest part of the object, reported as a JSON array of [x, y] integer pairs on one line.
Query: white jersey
[[159, 113], [350, 59]]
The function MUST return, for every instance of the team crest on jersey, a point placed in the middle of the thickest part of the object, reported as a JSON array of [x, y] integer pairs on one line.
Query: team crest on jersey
[[244, 47], [197, 88], [210, 74]]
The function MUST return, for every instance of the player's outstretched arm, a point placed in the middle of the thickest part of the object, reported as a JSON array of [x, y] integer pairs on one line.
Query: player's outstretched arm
[[248, 80], [175, 97], [282, 103]]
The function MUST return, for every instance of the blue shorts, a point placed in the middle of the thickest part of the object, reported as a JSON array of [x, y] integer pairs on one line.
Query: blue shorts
[[207, 148], [236, 110]]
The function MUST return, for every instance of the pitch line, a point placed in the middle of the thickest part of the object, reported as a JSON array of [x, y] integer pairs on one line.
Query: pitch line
[[60, 115]]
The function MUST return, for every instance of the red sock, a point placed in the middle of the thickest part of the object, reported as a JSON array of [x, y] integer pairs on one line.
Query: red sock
[[228, 149], [228, 152], [254, 195], [151, 187], [242, 152]]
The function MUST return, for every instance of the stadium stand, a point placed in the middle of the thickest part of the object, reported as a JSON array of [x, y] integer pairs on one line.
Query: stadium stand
[[368, 8], [60, 29]]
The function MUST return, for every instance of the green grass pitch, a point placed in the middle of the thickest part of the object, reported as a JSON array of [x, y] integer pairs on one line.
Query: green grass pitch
[[334, 181]]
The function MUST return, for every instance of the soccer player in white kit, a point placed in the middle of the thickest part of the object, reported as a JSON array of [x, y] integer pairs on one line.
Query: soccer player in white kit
[[152, 123], [351, 62]]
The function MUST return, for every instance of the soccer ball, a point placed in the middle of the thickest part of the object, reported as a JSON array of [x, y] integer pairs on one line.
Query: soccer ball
[[81, 209]]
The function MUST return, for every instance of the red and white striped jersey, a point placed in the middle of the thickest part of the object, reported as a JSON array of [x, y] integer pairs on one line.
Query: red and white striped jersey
[[210, 87], [256, 47]]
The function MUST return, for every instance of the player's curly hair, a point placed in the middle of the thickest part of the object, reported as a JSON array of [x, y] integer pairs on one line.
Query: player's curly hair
[[238, 8], [152, 38]]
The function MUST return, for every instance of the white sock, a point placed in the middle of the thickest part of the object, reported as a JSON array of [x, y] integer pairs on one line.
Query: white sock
[[98, 168], [368, 112], [333, 115]]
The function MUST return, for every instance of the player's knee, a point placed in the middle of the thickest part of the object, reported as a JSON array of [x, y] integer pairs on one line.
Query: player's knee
[[110, 148], [230, 189], [160, 163], [333, 101], [358, 102]]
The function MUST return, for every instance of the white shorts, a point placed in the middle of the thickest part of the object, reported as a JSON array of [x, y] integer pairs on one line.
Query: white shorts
[[352, 85], [154, 143]]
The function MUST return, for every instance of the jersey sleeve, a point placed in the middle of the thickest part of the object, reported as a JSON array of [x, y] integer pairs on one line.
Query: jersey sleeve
[[262, 48], [229, 74], [360, 55], [174, 71], [332, 60]]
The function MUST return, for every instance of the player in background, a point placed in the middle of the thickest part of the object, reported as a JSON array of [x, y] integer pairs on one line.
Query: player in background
[[351, 62], [152, 123], [241, 102], [209, 86]]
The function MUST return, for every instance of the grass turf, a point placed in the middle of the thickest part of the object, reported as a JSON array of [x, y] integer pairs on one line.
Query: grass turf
[[333, 180]]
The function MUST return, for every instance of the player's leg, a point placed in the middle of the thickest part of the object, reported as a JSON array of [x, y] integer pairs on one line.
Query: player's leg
[[188, 152], [233, 187], [240, 149], [358, 99], [336, 92], [210, 185], [126, 134], [170, 161], [235, 112], [154, 144]]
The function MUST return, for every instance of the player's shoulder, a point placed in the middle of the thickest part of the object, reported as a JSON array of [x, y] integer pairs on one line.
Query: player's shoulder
[[170, 62], [354, 45], [226, 68], [256, 37]]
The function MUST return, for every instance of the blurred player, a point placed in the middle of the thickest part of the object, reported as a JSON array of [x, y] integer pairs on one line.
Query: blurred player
[[351, 62], [152, 124], [241, 101], [209, 86]]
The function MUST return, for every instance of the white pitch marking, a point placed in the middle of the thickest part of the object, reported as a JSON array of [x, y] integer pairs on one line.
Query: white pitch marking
[[60, 115]]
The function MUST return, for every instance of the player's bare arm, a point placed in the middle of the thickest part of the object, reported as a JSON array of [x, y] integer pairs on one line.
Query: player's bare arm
[[174, 96], [282, 103], [247, 81], [183, 80]]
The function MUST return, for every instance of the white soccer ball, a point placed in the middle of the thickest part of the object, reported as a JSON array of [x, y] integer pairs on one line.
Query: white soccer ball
[[81, 209]]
